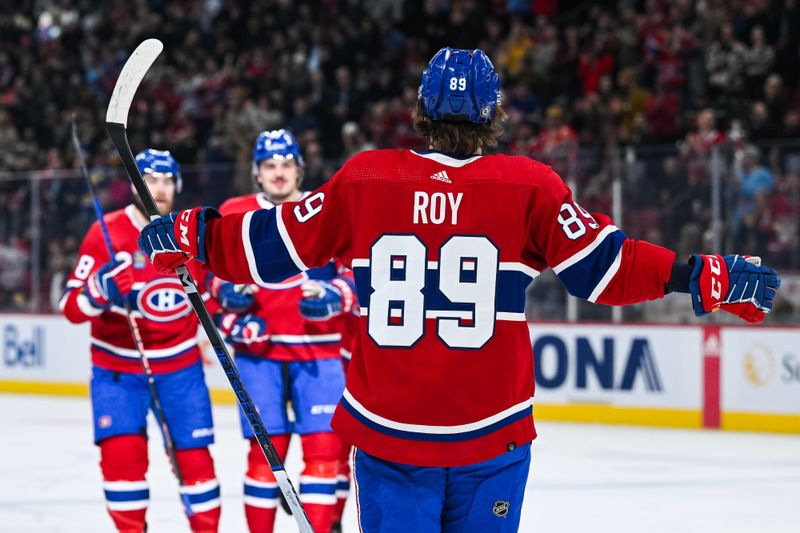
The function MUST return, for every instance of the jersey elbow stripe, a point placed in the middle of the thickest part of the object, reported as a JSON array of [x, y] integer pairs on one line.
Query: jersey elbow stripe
[[287, 241], [587, 250], [606, 279], [268, 258], [591, 274], [420, 432]]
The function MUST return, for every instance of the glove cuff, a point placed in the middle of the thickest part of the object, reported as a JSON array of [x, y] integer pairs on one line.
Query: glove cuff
[[194, 223], [348, 293], [708, 282], [97, 298]]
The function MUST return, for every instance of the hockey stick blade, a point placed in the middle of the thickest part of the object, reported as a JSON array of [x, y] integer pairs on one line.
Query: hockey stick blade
[[129, 79], [116, 125]]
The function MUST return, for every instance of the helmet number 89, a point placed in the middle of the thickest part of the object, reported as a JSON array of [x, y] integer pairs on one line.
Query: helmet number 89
[[458, 83]]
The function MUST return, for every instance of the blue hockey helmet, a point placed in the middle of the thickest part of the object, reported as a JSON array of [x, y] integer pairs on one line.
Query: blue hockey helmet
[[161, 162], [276, 144], [460, 85]]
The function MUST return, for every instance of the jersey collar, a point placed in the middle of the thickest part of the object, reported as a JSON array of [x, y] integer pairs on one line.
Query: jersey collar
[[265, 203], [450, 160], [130, 210]]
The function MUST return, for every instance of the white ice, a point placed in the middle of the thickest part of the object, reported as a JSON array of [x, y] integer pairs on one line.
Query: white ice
[[584, 477]]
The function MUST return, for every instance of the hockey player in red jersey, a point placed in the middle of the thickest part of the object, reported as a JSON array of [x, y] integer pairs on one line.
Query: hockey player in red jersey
[[443, 244], [96, 293], [287, 339], [351, 323]]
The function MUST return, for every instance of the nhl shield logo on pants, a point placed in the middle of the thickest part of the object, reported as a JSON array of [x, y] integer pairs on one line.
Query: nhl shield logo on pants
[[500, 509]]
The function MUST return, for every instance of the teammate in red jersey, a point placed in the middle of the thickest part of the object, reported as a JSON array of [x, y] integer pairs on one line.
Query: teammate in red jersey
[[443, 244], [96, 292], [287, 339]]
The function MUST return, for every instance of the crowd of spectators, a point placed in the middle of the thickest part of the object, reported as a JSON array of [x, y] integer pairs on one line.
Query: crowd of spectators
[[661, 94]]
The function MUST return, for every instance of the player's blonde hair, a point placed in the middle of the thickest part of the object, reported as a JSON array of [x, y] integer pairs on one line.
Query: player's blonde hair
[[461, 138]]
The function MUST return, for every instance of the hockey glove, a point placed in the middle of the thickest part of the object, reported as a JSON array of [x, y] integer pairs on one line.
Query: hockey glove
[[734, 283], [234, 298], [172, 240], [111, 283], [242, 329], [323, 300]]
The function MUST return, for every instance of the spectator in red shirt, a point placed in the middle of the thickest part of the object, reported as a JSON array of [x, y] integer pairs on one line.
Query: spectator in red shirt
[[593, 65], [698, 145]]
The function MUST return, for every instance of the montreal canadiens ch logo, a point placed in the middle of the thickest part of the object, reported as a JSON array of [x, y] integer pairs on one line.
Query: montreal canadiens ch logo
[[163, 300]]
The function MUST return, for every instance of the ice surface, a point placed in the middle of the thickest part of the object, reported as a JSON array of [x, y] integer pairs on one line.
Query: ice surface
[[584, 477]]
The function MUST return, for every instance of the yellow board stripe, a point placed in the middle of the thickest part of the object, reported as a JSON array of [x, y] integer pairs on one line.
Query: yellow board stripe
[[222, 397], [578, 412], [45, 387], [761, 422], [611, 414]]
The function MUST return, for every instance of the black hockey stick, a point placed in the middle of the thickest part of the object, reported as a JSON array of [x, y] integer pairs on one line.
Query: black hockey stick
[[137, 337], [116, 124]]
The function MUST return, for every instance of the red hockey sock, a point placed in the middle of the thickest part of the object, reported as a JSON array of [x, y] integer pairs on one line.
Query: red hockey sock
[[123, 462], [201, 487], [318, 481], [342, 483], [261, 492]]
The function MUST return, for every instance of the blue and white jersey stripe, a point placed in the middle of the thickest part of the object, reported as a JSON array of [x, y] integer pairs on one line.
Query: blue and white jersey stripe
[[162, 354], [126, 495], [306, 340], [203, 496], [512, 280], [457, 433], [318, 490], [587, 273], [261, 494], [278, 260]]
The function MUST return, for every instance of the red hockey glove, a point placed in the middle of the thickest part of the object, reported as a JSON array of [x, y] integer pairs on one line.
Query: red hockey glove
[[734, 283], [172, 240]]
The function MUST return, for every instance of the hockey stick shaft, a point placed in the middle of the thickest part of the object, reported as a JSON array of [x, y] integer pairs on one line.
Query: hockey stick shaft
[[169, 444], [116, 121]]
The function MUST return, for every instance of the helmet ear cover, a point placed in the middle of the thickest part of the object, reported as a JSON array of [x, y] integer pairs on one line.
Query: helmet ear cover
[[460, 86]]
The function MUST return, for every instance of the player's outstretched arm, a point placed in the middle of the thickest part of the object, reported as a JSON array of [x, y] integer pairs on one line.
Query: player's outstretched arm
[[201, 233], [260, 247], [596, 261]]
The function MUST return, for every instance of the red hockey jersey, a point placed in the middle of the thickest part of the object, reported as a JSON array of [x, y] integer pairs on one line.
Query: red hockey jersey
[[166, 321], [292, 337], [442, 250]]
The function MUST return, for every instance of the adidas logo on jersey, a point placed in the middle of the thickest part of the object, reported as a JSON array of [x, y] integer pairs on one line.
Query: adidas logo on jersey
[[441, 176]]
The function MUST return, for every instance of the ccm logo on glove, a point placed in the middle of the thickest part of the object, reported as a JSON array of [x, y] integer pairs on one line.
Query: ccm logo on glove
[[716, 283], [183, 226]]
